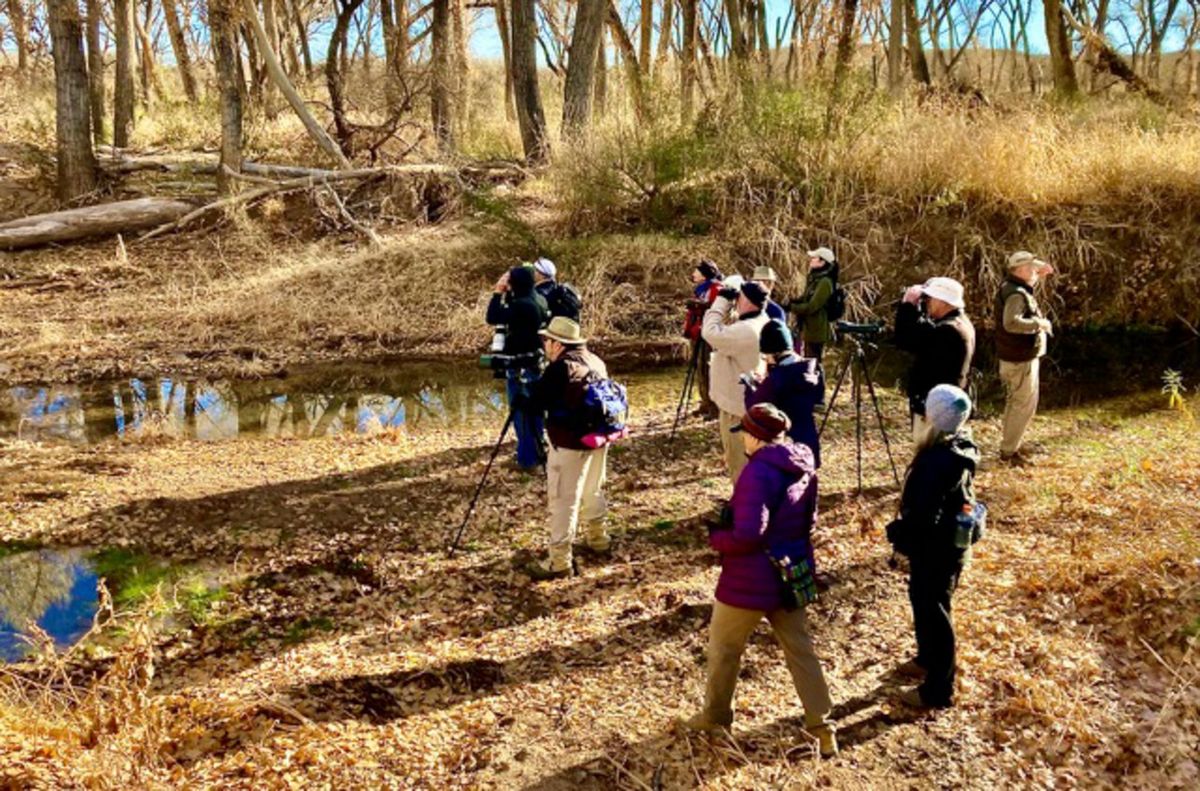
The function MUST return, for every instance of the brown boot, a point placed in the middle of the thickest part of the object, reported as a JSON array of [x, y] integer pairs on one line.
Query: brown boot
[[826, 740], [911, 669], [702, 723]]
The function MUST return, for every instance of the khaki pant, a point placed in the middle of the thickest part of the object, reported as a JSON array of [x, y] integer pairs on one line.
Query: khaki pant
[[1021, 398], [730, 629], [732, 444], [575, 483]]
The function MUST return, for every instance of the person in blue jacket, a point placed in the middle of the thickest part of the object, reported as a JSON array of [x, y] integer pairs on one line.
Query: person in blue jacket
[[792, 383]]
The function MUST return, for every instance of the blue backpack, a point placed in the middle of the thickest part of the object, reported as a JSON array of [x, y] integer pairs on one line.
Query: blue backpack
[[605, 406]]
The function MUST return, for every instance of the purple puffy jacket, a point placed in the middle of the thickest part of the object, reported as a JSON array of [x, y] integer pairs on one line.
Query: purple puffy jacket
[[774, 502]]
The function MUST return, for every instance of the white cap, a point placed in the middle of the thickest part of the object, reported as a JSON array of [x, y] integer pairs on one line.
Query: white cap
[[824, 253], [947, 289], [546, 267]]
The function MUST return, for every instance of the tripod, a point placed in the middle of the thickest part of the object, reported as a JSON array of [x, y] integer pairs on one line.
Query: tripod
[[479, 488], [856, 365], [686, 396]]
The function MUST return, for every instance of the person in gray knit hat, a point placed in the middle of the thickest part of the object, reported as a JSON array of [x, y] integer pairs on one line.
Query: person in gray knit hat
[[939, 482]]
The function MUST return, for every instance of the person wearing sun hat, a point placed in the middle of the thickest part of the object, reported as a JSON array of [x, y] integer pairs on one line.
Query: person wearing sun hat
[[1021, 333], [766, 277], [774, 506], [734, 354], [812, 309], [940, 476], [575, 471], [932, 324]]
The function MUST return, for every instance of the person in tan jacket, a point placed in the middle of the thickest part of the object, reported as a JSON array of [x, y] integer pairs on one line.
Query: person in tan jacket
[[734, 354]]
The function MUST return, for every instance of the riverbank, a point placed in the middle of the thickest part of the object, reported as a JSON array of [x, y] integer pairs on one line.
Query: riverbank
[[346, 647]]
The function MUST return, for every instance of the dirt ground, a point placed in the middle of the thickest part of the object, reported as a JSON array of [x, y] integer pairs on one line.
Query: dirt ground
[[350, 650]]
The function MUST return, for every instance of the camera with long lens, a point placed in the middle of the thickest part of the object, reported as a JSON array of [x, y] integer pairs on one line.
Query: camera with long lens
[[500, 363], [857, 328]]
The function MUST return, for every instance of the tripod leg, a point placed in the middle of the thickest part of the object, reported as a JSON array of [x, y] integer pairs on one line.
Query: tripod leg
[[482, 480], [685, 396], [858, 428], [841, 377], [887, 445]]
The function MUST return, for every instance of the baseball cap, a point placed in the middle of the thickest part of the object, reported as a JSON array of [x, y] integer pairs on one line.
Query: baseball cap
[[824, 253]]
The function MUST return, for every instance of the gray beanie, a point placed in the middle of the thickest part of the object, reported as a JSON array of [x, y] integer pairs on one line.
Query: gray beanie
[[947, 408]]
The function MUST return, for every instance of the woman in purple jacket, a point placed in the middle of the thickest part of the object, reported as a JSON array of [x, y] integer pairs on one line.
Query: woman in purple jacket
[[774, 505]]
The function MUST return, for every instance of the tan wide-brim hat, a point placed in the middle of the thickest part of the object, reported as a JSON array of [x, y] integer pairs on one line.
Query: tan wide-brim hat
[[1022, 257], [563, 330]]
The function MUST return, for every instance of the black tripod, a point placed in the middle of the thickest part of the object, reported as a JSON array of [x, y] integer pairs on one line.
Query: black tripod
[[688, 380], [478, 489], [856, 365]]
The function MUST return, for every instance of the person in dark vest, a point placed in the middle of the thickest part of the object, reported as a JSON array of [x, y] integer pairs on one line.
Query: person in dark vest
[[561, 299], [516, 306], [773, 509], [792, 383], [938, 477], [932, 324], [1021, 333], [706, 284], [811, 309]]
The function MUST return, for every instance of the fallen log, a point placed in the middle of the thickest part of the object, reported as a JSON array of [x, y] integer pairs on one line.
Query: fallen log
[[105, 219]]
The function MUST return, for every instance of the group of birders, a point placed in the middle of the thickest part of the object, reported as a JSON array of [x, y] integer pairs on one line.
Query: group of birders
[[764, 385]]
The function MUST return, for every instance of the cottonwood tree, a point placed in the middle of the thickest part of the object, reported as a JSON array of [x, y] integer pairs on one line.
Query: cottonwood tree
[[183, 58], [581, 65], [77, 173], [123, 91], [95, 63], [530, 117], [222, 20], [1062, 63]]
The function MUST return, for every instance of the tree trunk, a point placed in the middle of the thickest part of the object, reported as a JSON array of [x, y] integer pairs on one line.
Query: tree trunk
[[183, 60], [315, 130], [665, 30], [581, 65], [633, 74], [462, 65], [105, 219], [841, 63], [505, 30], [525, 83], [916, 49], [393, 72], [268, 43], [20, 30], [1061, 63], [441, 97], [645, 30], [687, 60], [302, 34], [146, 55], [335, 62], [895, 54], [600, 84], [123, 96], [225, 52], [72, 112], [95, 61]]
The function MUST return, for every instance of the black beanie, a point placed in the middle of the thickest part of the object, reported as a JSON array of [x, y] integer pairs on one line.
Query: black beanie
[[776, 338], [520, 280], [709, 270]]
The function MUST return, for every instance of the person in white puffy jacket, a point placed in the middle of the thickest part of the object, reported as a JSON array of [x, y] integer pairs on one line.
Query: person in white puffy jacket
[[734, 353]]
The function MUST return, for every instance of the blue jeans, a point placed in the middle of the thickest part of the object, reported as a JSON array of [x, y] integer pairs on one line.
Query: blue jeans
[[531, 450]]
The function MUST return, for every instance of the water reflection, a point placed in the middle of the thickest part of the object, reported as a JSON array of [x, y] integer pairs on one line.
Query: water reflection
[[55, 590], [314, 405]]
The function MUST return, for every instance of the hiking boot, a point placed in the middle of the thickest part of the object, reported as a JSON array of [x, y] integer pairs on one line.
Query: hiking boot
[[912, 697], [540, 572], [589, 551], [911, 669], [826, 740], [1016, 459], [702, 723]]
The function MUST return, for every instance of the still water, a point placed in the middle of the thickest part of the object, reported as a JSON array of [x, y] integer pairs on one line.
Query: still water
[[54, 589]]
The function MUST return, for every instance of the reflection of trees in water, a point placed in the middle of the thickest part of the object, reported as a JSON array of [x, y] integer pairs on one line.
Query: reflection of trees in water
[[32, 582], [302, 408]]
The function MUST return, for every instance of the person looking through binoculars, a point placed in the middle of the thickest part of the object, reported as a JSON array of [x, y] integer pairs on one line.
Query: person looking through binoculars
[[734, 353], [519, 313], [792, 383], [932, 324], [706, 283]]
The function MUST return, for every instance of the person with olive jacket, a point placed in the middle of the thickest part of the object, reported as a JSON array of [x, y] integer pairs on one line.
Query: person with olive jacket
[[812, 309]]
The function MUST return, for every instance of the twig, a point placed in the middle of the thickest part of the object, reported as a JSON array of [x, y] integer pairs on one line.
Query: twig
[[360, 227], [641, 783]]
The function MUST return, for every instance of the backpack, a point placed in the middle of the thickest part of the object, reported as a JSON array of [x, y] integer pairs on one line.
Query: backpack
[[835, 308], [605, 411], [564, 300]]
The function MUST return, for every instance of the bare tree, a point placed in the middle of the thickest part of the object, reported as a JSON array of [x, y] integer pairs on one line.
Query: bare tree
[[1061, 62], [441, 97], [77, 172], [20, 30], [95, 60], [183, 59], [687, 60], [645, 31], [505, 28], [223, 24], [123, 92], [896, 46], [530, 116], [581, 64], [916, 49]]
